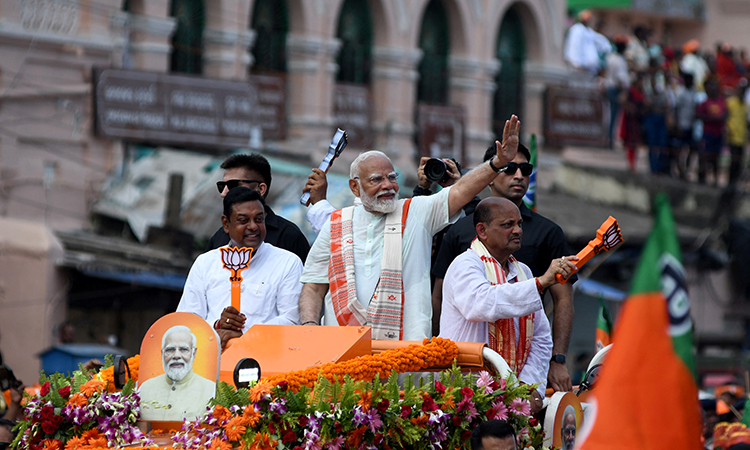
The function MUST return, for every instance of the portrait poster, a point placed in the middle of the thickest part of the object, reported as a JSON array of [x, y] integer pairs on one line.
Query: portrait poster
[[179, 368], [562, 421]]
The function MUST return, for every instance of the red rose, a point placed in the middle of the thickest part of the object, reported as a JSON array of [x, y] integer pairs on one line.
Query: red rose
[[466, 435], [533, 422], [378, 439], [337, 427], [467, 392], [429, 404], [456, 421], [383, 405], [405, 411], [439, 387], [57, 420], [44, 390], [288, 437], [49, 427], [283, 385], [271, 428], [303, 421], [64, 391], [491, 413], [47, 413]]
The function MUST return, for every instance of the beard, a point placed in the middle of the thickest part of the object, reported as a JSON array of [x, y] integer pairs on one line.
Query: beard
[[374, 205], [178, 373]]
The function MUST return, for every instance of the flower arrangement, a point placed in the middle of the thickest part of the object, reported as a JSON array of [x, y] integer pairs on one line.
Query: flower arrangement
[[438, 413], [80, 412], [435, 352]]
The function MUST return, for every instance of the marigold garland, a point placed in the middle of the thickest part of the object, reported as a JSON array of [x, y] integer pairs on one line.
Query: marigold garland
[[412, 358]]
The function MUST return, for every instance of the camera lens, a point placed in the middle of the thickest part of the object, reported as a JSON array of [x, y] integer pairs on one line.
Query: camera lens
[[434, 169]]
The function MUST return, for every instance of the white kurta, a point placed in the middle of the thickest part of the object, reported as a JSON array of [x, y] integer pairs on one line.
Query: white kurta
[[269, 291], [470, 302], [427, 216]]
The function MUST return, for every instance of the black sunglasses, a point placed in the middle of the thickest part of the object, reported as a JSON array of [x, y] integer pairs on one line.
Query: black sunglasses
[[231, 184], [511, 168]]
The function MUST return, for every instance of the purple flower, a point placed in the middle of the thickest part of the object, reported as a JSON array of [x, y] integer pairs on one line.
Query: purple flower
[[502, 410], [374, 419], [335, 443]]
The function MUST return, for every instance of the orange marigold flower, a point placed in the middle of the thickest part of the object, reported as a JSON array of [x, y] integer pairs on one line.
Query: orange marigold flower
[[221, 413], [365, 400], [78, 399], [75, 443], [259, 390], [51, 444], [218, 444], [448, 404], [91, 387], [90, 435], [101, 441], [251, 416], [263, 441], [234, 429], [420, 421], [355, 437]]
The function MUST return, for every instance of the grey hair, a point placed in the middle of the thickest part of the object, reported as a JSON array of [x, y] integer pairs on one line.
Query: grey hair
[[354, 168], [179, 328]]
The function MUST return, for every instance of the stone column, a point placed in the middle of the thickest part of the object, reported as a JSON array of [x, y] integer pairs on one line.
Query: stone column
[[144, 40], [394, 100], [227, 39], [472, 85], [311, 73], [538, 75]]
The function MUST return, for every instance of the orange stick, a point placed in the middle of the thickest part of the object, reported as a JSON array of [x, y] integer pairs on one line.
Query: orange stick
[[236, 260]]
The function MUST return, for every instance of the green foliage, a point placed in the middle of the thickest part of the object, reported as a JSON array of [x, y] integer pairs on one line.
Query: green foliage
[[227, 395]]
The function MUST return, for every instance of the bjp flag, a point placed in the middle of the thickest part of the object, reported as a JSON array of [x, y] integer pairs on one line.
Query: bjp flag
[[603, 327], [646, 397]]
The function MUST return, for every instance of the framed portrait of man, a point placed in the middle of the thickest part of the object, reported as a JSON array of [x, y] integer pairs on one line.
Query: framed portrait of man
[[179, 368]]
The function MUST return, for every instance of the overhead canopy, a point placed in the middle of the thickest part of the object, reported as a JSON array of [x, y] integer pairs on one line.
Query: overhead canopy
[[578, 5]]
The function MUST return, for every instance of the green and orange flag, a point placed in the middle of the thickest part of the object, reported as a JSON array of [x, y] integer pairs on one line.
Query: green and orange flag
[[646, 397], [603, 327]]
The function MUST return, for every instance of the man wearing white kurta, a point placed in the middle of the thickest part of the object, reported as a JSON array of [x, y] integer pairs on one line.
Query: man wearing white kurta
[[356, 277], [485, 285], [270, 285]]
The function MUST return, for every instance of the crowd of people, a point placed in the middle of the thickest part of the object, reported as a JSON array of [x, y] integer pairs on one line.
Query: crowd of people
[[684, 104]]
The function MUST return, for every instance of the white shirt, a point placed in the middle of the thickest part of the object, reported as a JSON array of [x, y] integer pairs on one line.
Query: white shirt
[[470, 302], [583, 47], [616, 75], [270, 287], [318, 213], [427, 216]]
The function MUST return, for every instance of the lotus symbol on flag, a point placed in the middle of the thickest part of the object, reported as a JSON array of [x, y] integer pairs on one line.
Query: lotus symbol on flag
[[236, 260]]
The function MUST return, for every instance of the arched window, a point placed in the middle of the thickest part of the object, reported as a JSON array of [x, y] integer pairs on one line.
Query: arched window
[[270, 20], [187, 40], [355, 33], [511, 51], [433, 68]]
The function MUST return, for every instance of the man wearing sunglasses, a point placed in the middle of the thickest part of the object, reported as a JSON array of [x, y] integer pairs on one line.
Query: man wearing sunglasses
[[253, 171], [543, 241], [370, 264]]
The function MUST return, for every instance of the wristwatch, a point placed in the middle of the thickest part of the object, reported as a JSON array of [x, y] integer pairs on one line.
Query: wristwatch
[[558, 358]]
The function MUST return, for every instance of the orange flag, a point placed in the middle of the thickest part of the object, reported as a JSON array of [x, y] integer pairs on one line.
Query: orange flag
[[646, 397]]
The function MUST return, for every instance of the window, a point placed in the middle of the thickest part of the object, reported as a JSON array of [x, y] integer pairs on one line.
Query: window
[[187, 40], [511, 51], [433, 68], [270, 21], [355, 33]]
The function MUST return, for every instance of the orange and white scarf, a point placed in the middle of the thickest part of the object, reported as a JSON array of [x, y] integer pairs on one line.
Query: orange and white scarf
[[502, 333], [386, 307]]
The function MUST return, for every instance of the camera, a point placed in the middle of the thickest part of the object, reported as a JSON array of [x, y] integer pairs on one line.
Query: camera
[[7, 379], [435, 169]]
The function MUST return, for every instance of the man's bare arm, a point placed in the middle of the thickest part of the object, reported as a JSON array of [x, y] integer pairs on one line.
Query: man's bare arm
[[562, 324], [473, 182], [311, 302]]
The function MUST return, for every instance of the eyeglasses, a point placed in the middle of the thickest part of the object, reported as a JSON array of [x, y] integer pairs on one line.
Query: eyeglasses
[[511, 168], [231, 184], [378, 179], [170, 351]]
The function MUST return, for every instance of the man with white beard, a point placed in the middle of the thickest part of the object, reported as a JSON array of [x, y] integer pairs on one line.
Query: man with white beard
[[179, 393], [370, 264]]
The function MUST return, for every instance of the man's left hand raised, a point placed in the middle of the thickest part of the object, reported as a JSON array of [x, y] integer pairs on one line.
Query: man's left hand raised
[[507, 149]]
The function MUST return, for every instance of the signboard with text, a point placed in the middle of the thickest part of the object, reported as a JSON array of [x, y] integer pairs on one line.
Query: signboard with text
[[574, 115], [187, 110], [352, 112], [440, 131]]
